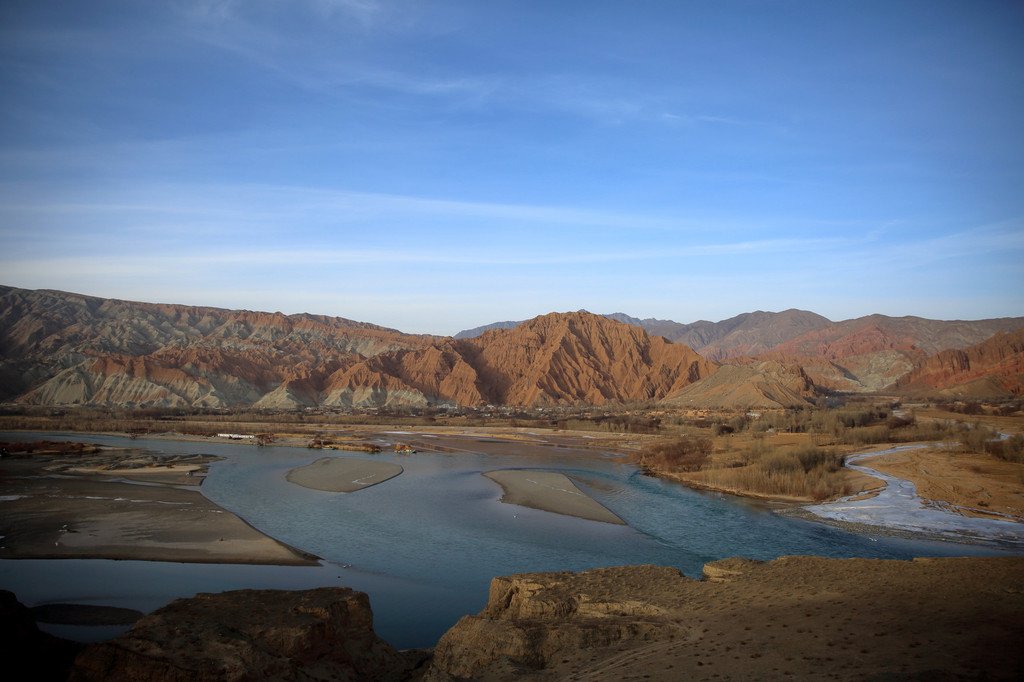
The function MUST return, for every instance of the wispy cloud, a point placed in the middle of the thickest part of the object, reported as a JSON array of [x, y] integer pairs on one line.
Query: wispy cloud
[[262, 203]]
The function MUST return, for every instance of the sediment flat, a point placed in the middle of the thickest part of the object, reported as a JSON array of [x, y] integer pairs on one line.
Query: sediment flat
[[343, 474], [85, 518], [550, 491]]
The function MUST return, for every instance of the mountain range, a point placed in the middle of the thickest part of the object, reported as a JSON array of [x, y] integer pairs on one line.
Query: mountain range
[[60, 348]]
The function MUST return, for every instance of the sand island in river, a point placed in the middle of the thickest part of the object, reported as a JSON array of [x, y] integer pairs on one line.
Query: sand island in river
[[343, 474], [550, 491]]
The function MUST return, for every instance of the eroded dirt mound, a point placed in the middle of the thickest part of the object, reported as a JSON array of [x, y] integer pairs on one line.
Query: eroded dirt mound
[[795, 617]]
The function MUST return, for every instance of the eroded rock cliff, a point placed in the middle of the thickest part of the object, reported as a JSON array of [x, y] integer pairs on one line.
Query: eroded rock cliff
[[321, 634]]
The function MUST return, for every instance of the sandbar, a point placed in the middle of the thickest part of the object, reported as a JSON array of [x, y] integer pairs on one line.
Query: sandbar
[[85, 517], [550, 491], [343, 474]]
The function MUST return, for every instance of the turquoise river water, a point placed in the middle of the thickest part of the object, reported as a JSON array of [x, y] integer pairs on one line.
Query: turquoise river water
[[425, 545]]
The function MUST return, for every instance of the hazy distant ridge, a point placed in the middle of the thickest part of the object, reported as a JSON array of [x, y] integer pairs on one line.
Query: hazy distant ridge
[[801, 332]]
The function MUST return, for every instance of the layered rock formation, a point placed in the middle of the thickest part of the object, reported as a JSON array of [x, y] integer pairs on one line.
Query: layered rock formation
[[61, 349], [993, 367], [321, 634], [745, 334], [871, 353], [66, 349], [561, 358]]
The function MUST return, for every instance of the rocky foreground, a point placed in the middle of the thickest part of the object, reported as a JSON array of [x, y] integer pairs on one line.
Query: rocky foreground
[[792, 618]]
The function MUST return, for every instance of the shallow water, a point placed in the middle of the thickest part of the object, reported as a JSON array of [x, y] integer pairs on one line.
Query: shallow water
[[425, 544], [899, 506]]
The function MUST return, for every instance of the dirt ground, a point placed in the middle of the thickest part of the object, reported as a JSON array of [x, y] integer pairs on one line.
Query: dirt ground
[[795, 618]]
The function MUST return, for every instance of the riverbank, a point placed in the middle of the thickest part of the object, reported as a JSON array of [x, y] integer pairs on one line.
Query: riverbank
[[974, 485], [897, 508], [122, 504]]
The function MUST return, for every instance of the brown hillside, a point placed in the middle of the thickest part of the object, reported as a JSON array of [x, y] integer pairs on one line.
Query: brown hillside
[[66, 349], [875, 333], [995, 366], [561, 358], [749, 333], [874, 371], [762, 385], [61, 348], [580, 357]]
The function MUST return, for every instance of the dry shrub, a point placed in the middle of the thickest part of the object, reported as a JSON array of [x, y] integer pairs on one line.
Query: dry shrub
[[805, 471], [1010, 449], [682, 454]]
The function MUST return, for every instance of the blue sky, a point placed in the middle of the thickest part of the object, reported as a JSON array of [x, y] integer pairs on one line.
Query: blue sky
[[434, 166]]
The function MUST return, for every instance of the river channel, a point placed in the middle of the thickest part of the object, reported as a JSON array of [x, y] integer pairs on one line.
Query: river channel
[[425, 544]]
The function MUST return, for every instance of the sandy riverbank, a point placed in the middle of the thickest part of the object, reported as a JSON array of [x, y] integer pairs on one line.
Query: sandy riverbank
[[898, 508], [550, 491], [61, 506], [343, 474], [977, 485]]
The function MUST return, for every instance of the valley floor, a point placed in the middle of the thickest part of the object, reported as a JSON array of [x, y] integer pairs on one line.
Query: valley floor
[[114, 518]]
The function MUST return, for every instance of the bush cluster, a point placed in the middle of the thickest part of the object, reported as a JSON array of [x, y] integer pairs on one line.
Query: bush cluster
[[805, 471], [681, 454]]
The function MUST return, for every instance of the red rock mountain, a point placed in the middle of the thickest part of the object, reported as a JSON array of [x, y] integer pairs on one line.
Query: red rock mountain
[[561, 358], [990, 368], [864, 354], [63, 349], [60, 348]]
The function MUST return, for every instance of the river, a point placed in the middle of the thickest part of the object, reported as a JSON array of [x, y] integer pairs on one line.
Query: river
[[425, 544]]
